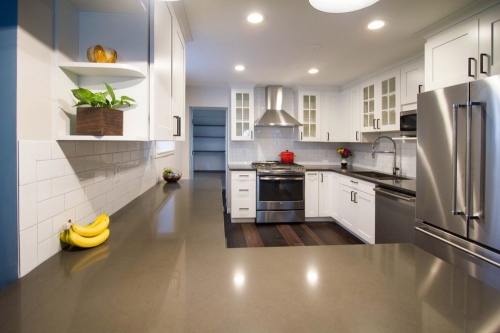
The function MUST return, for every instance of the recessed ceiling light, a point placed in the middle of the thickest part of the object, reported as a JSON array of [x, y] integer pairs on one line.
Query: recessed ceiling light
[[255, 18], [313, 71], [239, 68], [340, 6], [373, 25]]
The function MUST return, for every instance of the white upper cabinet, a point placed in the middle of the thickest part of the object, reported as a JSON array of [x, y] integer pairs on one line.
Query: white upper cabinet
[[451, 56], [161, 72], [464, 52], [308, 106], [412, 82], [242, 113], [178, 83], [489, 42], [349, 115], [331, 117], [381, 104]]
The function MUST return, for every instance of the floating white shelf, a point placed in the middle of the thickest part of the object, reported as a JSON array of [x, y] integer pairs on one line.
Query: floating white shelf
[[99, 138], [100, 69]]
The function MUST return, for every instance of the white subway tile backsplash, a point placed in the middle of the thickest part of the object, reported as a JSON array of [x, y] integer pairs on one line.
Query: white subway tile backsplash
[[99, 147], [84, 148], [28, 206], [63, 149], [48, 248], [28, 250], [44, 190], [27, 164], [74, 198], [92, 162], [44, 230], [92, 191], [74, 165], [60, 220], [50, 169], [63, 185], [74, 180], [50, 208]]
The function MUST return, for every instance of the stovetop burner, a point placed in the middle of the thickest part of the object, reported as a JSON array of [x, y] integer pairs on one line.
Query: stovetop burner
[[276, 167]]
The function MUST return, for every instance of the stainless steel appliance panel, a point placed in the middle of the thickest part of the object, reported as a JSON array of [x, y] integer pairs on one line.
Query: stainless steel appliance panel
[[280, 216], [484, 224], [394, 217], [435, 163], [408, 123]]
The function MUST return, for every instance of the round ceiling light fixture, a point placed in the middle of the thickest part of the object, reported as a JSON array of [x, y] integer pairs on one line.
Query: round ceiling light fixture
[[340, 6], [240, 68], [377, 24], [255, 18], [313, 71]]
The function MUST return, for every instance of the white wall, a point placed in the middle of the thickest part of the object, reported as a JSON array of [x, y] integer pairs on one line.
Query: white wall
[[35, 70]]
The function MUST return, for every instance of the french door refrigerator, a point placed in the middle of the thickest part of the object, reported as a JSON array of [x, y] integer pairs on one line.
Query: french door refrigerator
[[458, 176]]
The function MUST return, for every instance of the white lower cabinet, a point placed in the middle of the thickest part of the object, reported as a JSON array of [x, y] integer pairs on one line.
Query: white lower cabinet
[[357, 208], [311, 195], [322, 194], [243, 195]]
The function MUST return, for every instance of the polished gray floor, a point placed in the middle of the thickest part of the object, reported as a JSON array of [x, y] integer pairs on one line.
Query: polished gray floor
[[165, 268]]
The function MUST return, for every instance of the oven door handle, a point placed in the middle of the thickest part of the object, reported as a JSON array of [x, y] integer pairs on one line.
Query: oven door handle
[[281, 178]]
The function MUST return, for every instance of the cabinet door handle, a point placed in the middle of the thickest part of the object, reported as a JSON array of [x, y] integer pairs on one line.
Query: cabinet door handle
[[355, 197], [351, 195], [178, 119], [328, 134], [321, 177], [419, 88], [470, 67], [357, 133], [378, 123], [373, 125], [300, 136], [481, 63], [251, 135]]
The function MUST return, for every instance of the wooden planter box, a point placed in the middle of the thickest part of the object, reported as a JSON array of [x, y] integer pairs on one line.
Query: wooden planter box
[[98, 121]]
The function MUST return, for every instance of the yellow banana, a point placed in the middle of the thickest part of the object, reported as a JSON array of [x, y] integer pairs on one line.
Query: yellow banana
[[91, 231], [63, 236], [98, 220], [80, 241]]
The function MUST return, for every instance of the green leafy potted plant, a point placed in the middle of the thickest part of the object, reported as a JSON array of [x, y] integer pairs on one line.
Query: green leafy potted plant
[[100, 117]]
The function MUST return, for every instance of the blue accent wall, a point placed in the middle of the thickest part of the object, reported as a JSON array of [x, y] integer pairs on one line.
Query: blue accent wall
[[8, 148]]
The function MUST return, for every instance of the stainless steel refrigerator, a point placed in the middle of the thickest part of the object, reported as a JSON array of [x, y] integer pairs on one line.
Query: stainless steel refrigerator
[[458, 176]]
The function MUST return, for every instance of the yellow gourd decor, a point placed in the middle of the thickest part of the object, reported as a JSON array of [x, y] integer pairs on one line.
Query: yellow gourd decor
[[103, 54]]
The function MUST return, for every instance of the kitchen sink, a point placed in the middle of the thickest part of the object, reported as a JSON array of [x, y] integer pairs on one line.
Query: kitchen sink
[[378, 175]]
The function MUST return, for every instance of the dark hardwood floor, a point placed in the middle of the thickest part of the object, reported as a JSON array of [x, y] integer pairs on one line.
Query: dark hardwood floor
[[283, 234]]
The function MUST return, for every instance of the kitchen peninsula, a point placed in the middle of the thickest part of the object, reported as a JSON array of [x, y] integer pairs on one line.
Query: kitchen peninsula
[[165, 268]]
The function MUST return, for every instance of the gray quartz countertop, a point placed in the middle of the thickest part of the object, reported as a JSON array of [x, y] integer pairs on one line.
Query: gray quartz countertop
[[165, 268], [405, 186]]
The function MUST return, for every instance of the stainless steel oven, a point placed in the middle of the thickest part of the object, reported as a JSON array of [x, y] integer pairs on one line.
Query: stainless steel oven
[[280, 193], [408, 123]]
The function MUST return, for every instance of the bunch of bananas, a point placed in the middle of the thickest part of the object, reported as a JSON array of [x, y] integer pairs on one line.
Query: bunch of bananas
[[89, 235]]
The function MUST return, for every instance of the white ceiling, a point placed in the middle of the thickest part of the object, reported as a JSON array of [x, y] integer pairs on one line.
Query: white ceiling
[[279, 50]]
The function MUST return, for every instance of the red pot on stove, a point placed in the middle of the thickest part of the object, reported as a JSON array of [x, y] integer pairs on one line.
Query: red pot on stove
[[287, 157]]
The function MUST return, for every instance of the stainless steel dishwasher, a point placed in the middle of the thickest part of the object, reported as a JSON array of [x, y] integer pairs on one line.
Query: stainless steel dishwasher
[[394, 217]]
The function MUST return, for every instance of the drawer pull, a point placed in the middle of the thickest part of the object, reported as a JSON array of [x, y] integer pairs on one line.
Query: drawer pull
[[244, 190], [244, 208], [352, 181]]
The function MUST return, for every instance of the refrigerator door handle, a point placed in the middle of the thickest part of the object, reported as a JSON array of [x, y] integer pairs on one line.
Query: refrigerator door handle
[[472, 253], [468, 176], [454, 161]]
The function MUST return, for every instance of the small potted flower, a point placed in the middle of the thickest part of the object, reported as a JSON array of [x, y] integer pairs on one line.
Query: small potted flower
[[344, 154]]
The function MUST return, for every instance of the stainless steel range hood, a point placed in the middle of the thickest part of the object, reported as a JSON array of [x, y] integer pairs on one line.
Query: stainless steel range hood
[[275, 115]]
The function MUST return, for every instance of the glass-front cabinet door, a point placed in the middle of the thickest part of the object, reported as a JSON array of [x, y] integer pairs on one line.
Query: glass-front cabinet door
[[390, 106], [369, 120], [309, 109], [242, 114]]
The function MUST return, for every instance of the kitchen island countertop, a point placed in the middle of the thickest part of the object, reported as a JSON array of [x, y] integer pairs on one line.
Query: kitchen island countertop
[[165, 268]]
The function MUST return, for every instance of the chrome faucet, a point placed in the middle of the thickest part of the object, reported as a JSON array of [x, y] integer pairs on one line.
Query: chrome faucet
[[394, 168]]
